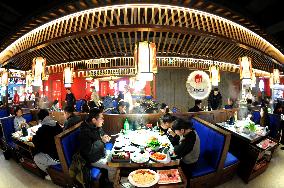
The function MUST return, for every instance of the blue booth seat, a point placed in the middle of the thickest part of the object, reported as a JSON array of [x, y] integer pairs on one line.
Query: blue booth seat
[[274, 120], [8, 129], [28, 117], [211, 148], [256, 117], [230, 160], [70, 145], [274, 127], [79, 104], [108, 146], [3, 113]]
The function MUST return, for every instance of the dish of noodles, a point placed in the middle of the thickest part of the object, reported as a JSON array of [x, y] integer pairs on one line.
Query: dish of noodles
[[143, 178]]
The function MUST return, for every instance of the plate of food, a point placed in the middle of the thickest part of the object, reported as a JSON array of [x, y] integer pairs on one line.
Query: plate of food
[[138, 157], [159, 157], [138, 141], [120, 157], [143, 178], [169, 176], [154, 144]]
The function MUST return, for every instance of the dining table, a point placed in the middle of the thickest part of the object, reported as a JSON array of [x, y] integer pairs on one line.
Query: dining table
[[136, 143], [254, 149], [238, 128]]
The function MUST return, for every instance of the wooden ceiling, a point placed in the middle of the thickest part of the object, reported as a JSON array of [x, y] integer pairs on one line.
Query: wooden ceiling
[[113, 32]]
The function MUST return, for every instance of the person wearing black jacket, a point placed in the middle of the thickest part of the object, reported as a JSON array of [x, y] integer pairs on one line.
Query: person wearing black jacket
[[189, 147], [71, 118], [197, 107], [214, 100], [43, 140], [92, 142], [164, 126], [121, 108], [70, 98]]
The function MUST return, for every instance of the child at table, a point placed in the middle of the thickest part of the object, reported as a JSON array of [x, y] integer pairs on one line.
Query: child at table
[[19, 121], [164, 126], [189, 147]]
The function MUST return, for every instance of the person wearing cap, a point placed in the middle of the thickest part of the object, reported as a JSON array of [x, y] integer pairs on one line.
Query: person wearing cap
[[121, 108], [71, 118], [92, 142], [188, 148]]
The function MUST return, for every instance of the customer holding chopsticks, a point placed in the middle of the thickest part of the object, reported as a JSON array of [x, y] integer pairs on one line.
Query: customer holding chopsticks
[[164, 126]]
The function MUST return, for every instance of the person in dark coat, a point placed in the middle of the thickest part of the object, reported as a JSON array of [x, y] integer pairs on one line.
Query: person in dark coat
[[70, 98], [214, 100], [92, 142], [43, 140], [188, 148], [71, 118], [121, 108], [197, 107]]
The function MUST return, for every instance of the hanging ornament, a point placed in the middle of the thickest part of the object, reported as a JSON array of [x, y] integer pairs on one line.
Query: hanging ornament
[[276, 76], [245, 67], [214, 75], [68, 74], [145, 60], [38, 70]]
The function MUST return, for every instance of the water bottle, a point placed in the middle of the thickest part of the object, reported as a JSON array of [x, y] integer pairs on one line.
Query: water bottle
[[126, 126]]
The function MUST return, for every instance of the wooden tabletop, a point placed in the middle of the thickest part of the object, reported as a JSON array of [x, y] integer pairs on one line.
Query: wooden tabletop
[[237, 132]]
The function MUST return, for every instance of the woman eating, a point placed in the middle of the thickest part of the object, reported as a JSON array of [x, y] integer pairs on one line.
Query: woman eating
[[164, 126]]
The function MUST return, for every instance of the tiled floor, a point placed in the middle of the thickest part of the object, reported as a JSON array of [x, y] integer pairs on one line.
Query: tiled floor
[[12, 175]]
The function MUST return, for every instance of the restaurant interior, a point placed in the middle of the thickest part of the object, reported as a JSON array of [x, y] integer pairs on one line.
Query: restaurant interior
[[204, 68]]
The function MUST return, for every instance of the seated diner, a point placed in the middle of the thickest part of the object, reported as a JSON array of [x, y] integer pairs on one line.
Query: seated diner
[[92, 142], [43, 140], [188, 148], [19, 121]]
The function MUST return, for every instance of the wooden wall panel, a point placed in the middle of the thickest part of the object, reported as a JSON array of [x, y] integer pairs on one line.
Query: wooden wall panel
[[171, 88]]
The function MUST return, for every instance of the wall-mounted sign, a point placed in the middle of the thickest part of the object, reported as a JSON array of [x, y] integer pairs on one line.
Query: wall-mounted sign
[[198, 85]]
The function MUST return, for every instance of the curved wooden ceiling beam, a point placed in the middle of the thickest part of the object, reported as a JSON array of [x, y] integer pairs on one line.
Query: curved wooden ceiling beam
[[159, 18], [138, 28]]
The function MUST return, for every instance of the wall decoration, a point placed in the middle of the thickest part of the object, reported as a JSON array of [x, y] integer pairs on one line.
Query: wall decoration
[[198, 85]]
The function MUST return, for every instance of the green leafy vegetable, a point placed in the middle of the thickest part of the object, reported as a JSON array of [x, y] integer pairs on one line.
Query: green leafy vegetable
[[251, 126], [153, 144]]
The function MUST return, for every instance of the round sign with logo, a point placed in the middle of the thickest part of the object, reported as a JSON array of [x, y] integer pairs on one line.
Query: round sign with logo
[[198, 85]]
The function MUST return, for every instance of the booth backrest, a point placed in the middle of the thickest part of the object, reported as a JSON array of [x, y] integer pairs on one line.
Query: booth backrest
[[67, 143], [28, 117], [274, 120], [7, 124], [211, 143], [256, 117], [79, 104], [3, 113], [274, 126], [70, 145]]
